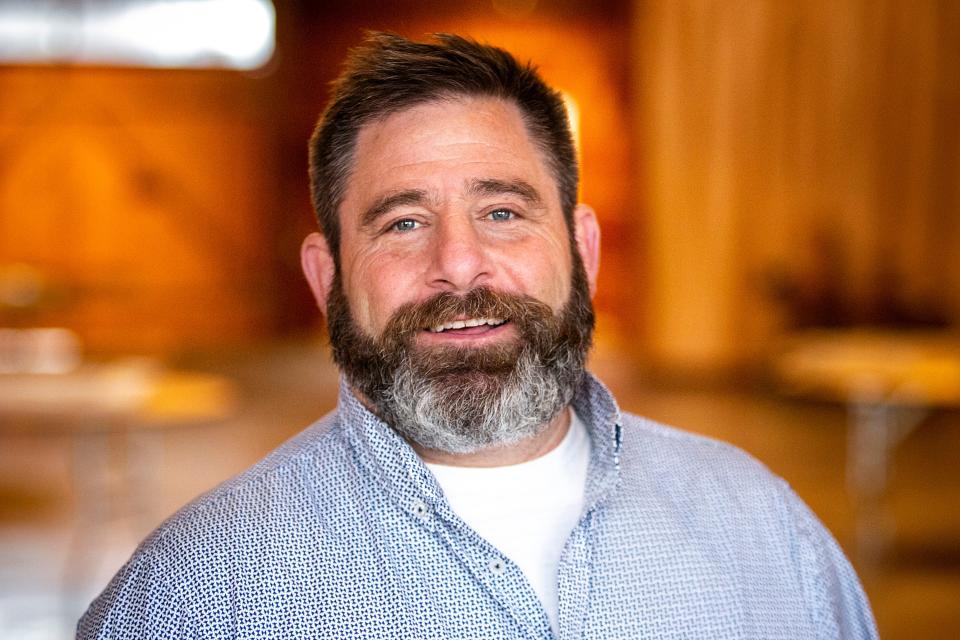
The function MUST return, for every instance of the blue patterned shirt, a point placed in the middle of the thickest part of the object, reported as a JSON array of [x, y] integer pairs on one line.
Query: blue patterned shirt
[[342, 532]]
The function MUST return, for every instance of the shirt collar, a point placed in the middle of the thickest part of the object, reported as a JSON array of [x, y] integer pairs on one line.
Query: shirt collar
[[393, 463], [596, 406]]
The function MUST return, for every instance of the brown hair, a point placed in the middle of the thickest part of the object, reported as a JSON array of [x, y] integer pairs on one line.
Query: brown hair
[[388, 73]]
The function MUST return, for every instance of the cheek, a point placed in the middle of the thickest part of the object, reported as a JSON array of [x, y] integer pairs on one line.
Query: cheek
[[559, 289], [376, 285], [545, 273]]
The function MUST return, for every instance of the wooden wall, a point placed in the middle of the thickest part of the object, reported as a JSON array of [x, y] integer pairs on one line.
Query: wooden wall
[[138, 197], [800, 162]]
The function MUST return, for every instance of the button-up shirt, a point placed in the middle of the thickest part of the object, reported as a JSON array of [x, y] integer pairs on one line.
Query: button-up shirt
[[343, 532]]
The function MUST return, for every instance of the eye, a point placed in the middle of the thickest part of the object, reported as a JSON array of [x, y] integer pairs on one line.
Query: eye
[[404, 225], [501, 215]]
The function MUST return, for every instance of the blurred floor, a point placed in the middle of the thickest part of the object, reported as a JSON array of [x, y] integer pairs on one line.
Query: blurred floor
[[43, 587]]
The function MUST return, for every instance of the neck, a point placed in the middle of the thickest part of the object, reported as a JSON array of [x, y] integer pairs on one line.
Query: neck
[[541, 444]]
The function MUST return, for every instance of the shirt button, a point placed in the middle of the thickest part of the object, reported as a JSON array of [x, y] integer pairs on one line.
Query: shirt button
[[420, 509], [497, 566]]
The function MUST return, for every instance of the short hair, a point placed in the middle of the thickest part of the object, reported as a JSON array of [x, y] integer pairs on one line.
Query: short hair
[[388, 73]]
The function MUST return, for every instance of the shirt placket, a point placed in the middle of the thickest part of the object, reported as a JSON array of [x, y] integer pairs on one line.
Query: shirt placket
[[573, 576], [575, 570], [503, 580]]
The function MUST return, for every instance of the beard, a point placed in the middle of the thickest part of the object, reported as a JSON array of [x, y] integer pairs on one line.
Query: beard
[[459, 399]]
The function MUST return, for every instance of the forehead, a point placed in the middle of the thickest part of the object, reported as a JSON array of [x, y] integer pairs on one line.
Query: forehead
[[442, 144]]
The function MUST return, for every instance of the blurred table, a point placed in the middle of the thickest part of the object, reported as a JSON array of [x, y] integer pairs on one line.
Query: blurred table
[[889, 381], [130, 403]]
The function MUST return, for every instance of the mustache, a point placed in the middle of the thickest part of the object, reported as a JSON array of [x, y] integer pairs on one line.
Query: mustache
[[480, 302]]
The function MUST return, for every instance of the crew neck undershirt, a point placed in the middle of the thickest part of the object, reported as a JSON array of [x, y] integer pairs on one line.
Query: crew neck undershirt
[[526, 510]]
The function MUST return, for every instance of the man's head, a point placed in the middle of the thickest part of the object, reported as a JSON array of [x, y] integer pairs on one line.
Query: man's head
[[388, 73], [454, 273]]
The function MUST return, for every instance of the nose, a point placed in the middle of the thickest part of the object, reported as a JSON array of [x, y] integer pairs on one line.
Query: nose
[[459, 259]]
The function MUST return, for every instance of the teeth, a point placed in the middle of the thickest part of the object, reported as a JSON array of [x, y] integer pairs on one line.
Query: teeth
[[461, 324]]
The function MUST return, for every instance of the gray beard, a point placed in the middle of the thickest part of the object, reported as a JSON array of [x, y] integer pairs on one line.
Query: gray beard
[[475, 411], [465, 400]]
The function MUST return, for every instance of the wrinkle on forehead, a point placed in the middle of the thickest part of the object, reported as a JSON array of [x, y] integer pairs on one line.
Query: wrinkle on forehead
[[394, 146], [417, 123]]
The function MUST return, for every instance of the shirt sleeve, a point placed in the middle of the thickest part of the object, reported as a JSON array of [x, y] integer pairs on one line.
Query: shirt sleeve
[[138, 603], [837, 602]]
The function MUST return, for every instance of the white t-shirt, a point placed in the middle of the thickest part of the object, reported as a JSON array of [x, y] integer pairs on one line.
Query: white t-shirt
[[526, 510]]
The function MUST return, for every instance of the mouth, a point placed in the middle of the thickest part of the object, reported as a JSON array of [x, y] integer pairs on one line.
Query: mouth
[[467, 328], [466, 324]]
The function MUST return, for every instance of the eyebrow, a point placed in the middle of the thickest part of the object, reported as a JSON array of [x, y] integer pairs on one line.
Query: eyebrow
[[495, 187], [389, 201]]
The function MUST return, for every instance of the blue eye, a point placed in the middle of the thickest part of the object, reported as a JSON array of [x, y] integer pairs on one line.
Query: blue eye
[[502, 214], [405, 225]]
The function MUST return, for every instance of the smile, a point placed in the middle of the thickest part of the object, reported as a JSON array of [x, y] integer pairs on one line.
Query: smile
[[466, 324]]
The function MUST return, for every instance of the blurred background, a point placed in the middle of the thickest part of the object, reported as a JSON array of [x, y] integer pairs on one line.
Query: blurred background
[[778, 186]]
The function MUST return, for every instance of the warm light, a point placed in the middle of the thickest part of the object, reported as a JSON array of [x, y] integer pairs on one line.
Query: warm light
[[515, 8], [234, 34], [573, 117]]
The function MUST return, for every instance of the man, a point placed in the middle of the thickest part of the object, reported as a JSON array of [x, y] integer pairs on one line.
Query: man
[[474, 481]]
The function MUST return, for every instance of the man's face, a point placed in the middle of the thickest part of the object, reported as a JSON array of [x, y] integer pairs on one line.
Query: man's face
[[446, 197], [457, 285]]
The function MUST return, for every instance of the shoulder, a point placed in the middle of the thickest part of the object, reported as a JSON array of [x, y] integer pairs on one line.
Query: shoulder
[[185, 569], [282, 491], [712, 487], [727, 501], [683, 458], [287, 478]]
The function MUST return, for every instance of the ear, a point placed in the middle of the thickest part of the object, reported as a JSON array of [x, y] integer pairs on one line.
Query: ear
[[587, 234], [318, 267]]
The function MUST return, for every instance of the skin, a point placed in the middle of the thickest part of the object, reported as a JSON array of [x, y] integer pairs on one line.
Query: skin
[[448, 196]]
